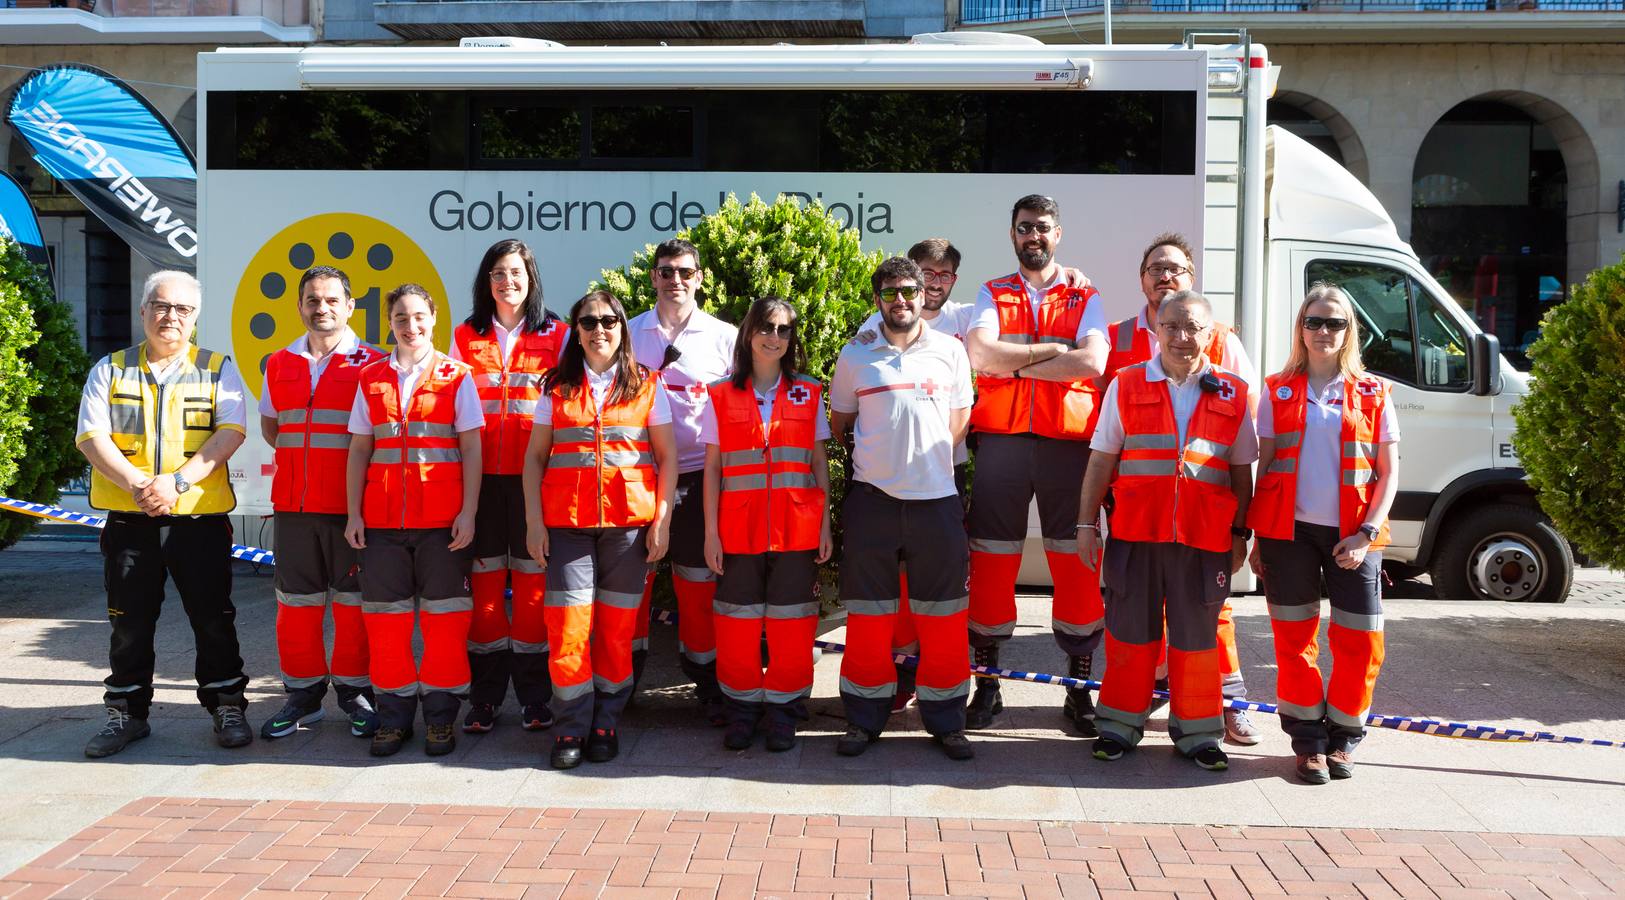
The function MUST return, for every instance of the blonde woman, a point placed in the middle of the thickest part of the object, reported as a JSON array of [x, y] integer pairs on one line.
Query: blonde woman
[[1328, 469]]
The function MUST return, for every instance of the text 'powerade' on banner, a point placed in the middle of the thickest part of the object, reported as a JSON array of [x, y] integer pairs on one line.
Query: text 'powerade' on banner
[[118, 155]]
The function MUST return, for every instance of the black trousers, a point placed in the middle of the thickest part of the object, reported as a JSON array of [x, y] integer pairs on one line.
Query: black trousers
[[140, 553]]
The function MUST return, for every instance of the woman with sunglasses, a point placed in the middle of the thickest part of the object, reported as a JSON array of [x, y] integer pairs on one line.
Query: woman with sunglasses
[[511, 340], [599, 478], [766, 524], [1328, 469]]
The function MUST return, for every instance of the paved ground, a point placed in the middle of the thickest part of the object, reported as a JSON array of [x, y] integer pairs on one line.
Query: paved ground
[[1561, 668]]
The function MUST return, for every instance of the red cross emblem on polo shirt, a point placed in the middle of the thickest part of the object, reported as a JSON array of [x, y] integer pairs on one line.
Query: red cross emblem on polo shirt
[[446, 370], [359, 356], [928, 387], [696, 391], [799, 394]]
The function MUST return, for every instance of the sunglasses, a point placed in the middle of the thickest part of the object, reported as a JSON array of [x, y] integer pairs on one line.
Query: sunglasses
[[892, 293], [593, 323], [1316, 323], [683, 273], [1026, 228], [783, 331]]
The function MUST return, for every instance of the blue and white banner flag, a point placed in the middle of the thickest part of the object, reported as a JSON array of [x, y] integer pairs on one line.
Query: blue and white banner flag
[[17, 222]]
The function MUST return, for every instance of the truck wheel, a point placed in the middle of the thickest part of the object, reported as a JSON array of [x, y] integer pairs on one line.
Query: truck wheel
[[1503, 551]]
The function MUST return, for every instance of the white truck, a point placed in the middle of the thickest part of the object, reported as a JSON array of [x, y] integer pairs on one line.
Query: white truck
[[404, 163]]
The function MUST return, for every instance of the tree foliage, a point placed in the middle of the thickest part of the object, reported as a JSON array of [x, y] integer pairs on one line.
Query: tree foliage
[[42, 368], [1571, 427]]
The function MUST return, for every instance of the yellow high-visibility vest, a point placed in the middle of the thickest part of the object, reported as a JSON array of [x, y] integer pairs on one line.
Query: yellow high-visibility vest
[[158, 427]]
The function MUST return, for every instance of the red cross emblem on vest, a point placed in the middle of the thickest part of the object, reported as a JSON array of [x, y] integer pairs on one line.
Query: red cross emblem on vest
[[359, 356], [799, 394], [1367, 388], [1226, 390], [446, 370], [928, 387]]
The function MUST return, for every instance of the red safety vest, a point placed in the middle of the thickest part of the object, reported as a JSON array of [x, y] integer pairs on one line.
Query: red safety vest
[[415, 477], [1055, 409], [509, 388], [601, 471], [312, 433], [1165, 492], [1275, 500], [1131, 345], [770, 501]]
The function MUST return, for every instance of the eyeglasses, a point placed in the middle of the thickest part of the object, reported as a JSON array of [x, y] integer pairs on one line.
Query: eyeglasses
[[593, 323], [503, 276], [1026, 228], [767, 329], [933, 275], [1178, 328], [161, 309], [907, 292], [1170, 271], [1316, 323], [684, 273]]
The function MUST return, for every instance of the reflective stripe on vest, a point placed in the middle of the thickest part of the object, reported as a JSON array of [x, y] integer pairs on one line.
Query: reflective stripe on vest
[[313, 435], [415, 474], [770, 501], [1165, 492], [159, 427], [1055, 409], [600, 471], [1274, 505], [509, 387]]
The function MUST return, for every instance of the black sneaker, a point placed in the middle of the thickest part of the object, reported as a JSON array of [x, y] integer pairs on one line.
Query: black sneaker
[[603, 745], [985, 703], [230, 725], [781, 737], [566, 753], [440, 740], [1080, 709], [854, 742], [363, 717], [739, 735], [288, 720], [388, 741], [955, 745], [1211, 758], [1108, 749], [120, 730], [536, 718], [482, 717]]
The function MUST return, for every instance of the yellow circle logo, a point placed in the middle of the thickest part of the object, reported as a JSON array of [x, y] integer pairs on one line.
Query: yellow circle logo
[[376, 255]]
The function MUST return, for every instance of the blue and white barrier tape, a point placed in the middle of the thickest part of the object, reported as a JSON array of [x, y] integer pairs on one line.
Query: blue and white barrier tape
[[1433, 727]]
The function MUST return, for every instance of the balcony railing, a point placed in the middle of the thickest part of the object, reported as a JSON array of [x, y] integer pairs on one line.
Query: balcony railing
[[282, 12], [984, 12]]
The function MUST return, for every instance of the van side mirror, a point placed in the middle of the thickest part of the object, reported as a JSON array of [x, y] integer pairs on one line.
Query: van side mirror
[[1486, 365]]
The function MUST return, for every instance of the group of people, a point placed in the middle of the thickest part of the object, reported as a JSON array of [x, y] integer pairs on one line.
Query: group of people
[[508, 500]]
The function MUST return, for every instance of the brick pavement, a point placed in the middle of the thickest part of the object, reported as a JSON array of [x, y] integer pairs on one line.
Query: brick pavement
[[174, 848]]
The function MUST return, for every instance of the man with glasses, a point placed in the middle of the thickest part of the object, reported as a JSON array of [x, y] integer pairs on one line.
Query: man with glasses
[[689, 348], [1038, 344], [158, 422], [905, 392], [304, 412], [1166, 268]]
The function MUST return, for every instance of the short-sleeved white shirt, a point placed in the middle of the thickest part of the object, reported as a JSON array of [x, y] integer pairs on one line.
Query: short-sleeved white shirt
[[1109, 435], [1321, 455], [707, 347], [599, 386], [709, 429], [953, 320], [985, 317], [901, 439], [96, 419], [301, 347], [1235, 356], [468, 414]]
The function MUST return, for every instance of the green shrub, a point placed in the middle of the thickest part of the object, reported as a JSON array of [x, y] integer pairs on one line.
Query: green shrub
[[42, 369], [1571, 426], [786, 248]]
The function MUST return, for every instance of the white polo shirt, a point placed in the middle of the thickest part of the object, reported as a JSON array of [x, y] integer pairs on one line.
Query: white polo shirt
[[707, 347], [953, 320], [1321, 457], [467, 417], [986, 318], [901, 440], [301, 347], [1108, 436]]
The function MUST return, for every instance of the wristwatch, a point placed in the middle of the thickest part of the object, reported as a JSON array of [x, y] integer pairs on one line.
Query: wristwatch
[[1369, 530], [1245, 534], [181, 484]]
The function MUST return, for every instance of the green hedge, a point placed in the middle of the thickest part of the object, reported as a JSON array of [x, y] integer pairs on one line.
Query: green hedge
[[1571, 426]]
